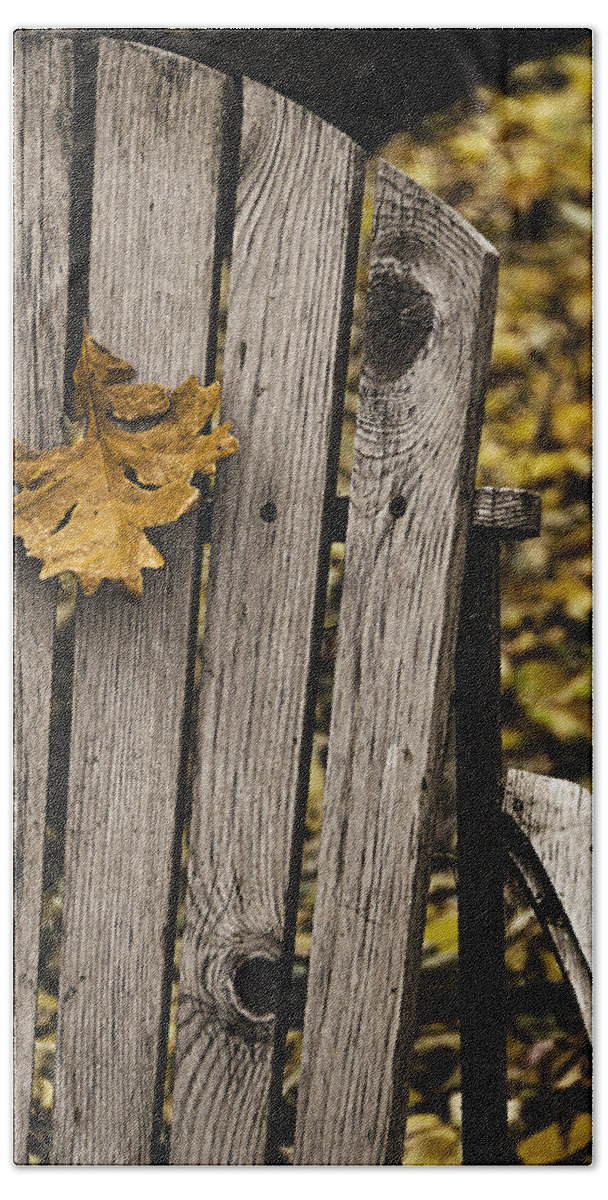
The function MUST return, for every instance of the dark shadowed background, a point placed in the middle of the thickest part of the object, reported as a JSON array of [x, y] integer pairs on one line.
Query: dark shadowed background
[[371, 83]]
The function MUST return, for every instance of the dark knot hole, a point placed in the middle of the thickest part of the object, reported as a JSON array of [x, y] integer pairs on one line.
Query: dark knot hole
[[400, 316], [256, 985], [268, 512], [397, 507]]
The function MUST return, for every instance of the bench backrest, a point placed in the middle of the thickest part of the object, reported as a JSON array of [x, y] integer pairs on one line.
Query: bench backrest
[[169, 158]]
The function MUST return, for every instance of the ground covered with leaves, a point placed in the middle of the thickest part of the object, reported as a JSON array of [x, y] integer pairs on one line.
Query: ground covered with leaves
[[517, 165]]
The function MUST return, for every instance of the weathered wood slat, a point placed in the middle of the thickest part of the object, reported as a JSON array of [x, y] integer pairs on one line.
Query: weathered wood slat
[[428, 337], [555, 817], [43, 87], [153, 274], [294, 253]]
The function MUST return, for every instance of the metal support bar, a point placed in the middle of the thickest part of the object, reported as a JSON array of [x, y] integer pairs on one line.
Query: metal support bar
[[499, 514], [479, 857]]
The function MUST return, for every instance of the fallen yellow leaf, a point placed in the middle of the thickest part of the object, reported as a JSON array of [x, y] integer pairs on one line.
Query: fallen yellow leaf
[[84, 507]]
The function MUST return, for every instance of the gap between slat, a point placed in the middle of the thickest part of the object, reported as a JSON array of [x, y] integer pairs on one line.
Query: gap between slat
[[52, 876]]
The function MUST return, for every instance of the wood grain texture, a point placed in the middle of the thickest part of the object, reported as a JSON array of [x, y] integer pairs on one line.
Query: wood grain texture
[[294, 254], [43, 85], [427, 348], [556, 820], [158, 152], [509, 513]]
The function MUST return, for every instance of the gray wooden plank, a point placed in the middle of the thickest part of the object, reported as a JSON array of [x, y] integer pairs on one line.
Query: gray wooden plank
[[158, 155], [427, 349], [43, 90], [556, 818], [294, 254]]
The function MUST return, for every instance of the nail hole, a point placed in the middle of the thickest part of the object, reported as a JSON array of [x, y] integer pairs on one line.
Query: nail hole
[[268, 512], [256, 985], [397, 507]]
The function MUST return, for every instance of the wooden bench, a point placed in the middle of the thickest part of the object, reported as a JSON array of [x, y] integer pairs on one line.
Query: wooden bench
[[135, 172]]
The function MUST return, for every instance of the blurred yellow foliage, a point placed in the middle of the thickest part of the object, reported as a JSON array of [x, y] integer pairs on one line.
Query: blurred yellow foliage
[[550, 1146], [518, 167], [430, 1140], [546, 1146]]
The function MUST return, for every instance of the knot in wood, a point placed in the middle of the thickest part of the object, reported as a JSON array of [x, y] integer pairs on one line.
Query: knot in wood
[[399, 322], [268, 512], [397, 507], [241, 983]]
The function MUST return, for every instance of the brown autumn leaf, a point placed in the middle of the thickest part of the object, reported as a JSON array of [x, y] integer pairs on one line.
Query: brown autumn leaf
[[84, 507]]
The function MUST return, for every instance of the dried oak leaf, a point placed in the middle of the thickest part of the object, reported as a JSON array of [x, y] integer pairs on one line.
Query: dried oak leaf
[[84, 507]]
